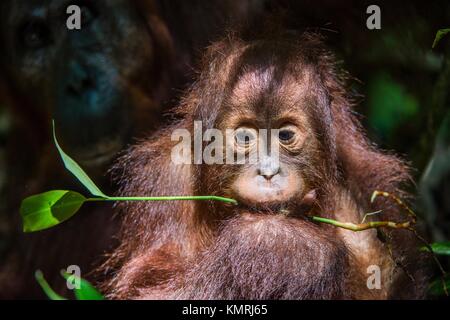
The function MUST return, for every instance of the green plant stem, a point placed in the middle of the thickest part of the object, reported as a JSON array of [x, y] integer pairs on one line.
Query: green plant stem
[[46, 287], [363, 226], [165, 198]]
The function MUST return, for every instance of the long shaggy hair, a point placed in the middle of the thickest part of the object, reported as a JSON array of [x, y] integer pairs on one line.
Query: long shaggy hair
[[190, 250]]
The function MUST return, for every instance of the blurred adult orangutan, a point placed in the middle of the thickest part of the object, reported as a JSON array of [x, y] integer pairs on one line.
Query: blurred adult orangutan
[[103, 85]]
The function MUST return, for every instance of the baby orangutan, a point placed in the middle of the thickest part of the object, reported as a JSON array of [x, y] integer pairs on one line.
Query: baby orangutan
[[266, 246]]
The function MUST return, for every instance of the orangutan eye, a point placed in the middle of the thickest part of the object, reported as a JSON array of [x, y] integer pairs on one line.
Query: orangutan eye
[[289, 135], [34, 34], [286, 135], [245, 136]]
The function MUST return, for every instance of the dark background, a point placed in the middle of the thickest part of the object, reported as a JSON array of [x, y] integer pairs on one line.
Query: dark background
[[400, 83]]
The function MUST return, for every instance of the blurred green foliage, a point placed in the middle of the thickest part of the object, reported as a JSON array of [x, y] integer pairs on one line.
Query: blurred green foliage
[[390, 104], [86, 291], [441, 285], [439, 35]]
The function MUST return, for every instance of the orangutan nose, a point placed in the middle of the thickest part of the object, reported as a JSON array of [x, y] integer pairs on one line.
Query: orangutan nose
[[269, 167]]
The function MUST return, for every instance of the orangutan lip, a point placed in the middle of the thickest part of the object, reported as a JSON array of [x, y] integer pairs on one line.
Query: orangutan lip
[[269, 206], [286, 208]]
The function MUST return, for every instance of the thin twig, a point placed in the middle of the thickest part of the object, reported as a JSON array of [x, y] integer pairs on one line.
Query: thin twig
[[407, 225]]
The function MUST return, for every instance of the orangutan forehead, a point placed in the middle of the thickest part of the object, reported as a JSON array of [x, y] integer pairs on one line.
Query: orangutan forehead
[[269, 87]]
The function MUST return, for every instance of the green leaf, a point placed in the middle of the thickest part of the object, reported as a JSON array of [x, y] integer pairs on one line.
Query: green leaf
[[439, 35], [49, 209], [51, 294], [436, 288], [86, 291], [440, 248], [76, 170]]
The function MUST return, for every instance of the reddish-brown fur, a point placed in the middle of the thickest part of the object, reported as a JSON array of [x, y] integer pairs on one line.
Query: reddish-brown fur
[[169, 35], [211, 250]]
